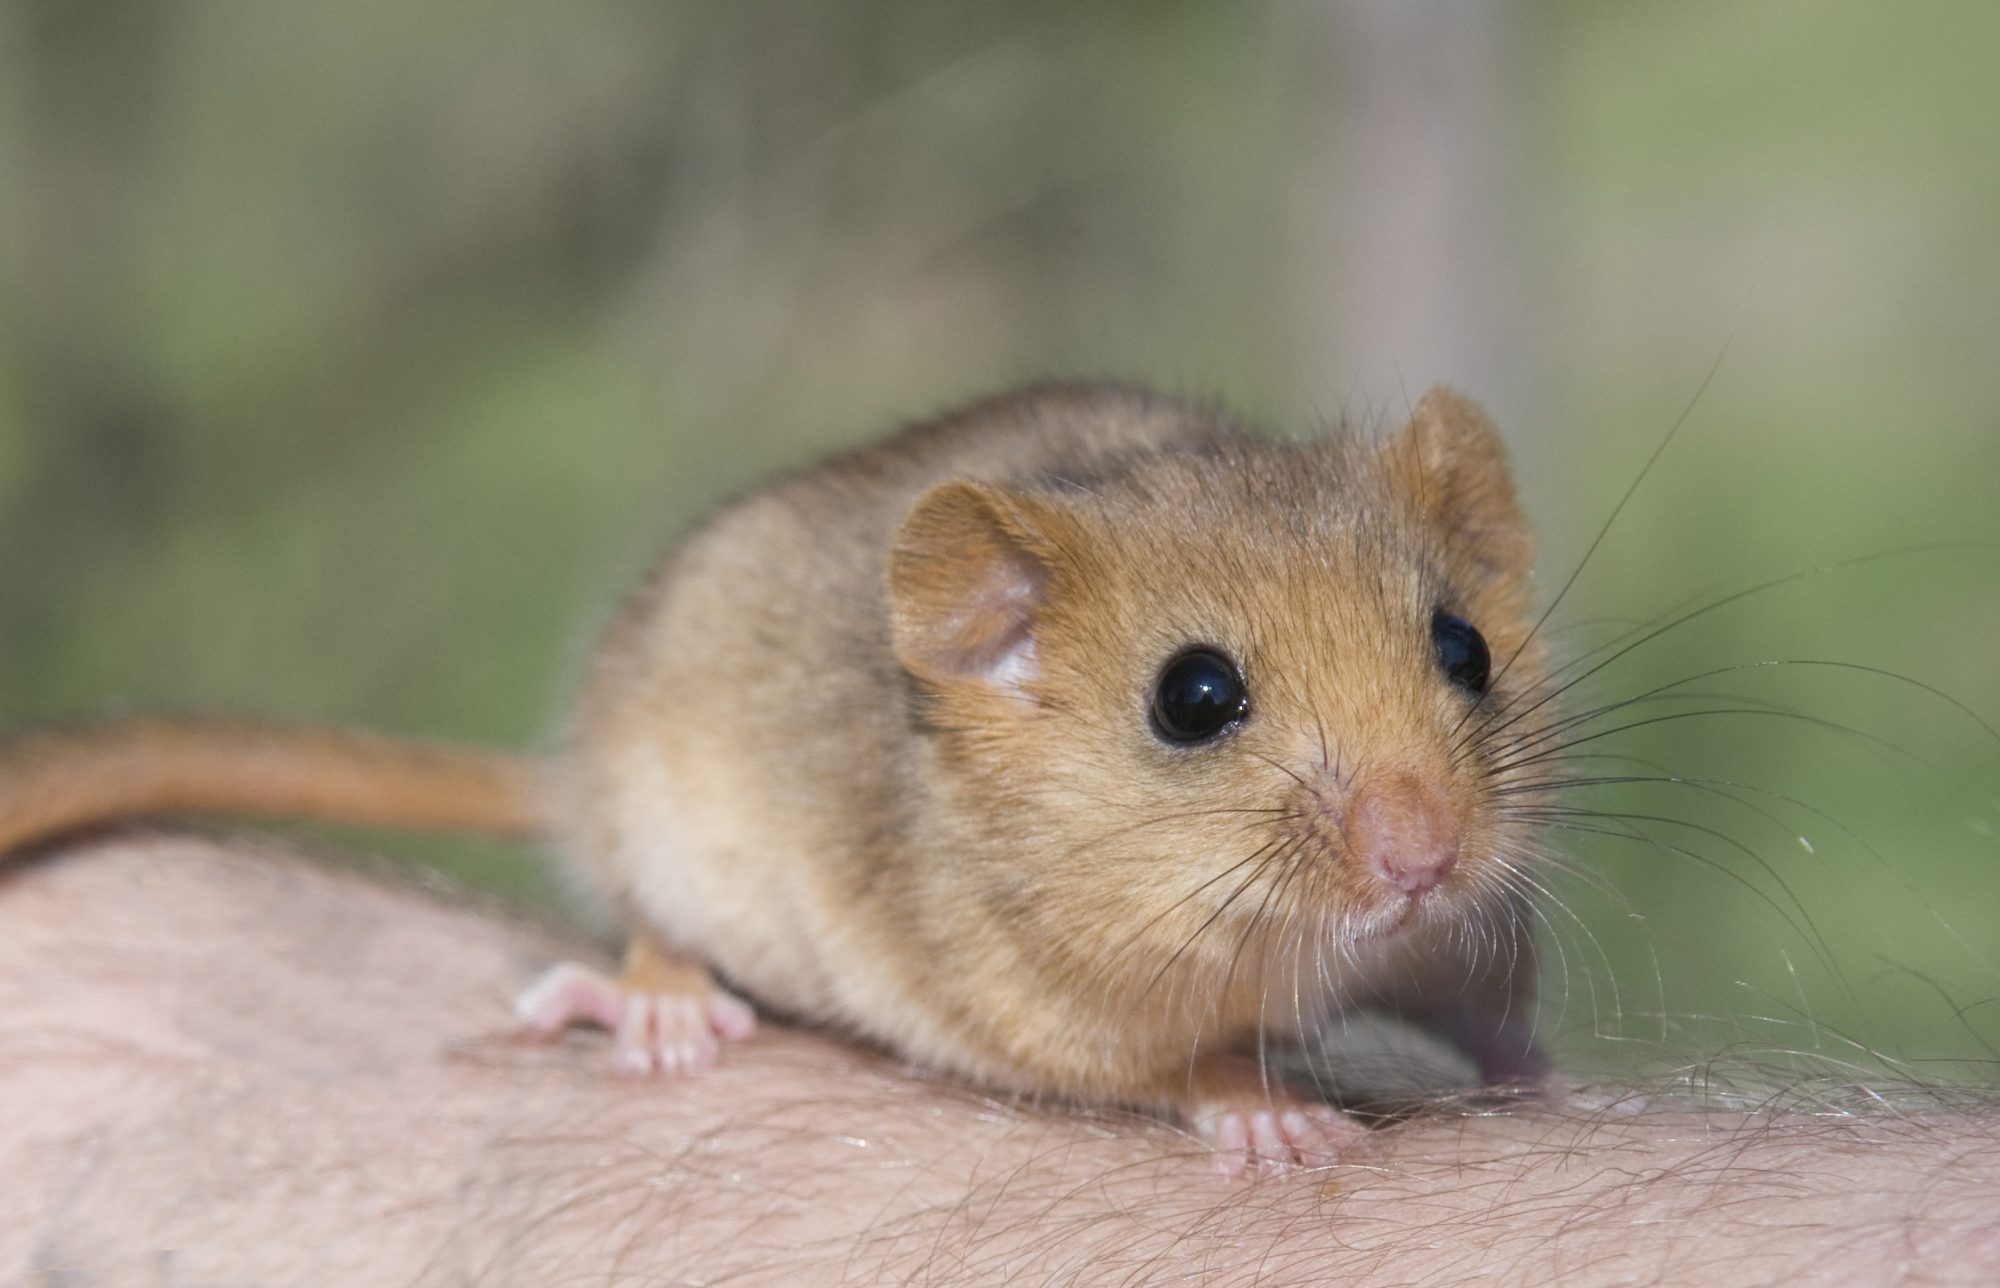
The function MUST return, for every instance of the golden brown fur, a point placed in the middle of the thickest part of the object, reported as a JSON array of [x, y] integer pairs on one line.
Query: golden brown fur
[[996, 879], [874, 743]]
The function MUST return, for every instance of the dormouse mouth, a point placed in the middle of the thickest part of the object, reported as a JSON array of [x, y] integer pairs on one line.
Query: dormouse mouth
[[1386, 923]]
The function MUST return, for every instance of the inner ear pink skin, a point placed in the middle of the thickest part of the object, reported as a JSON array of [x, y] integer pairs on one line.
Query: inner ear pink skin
[[992, 640], [1403, 831]]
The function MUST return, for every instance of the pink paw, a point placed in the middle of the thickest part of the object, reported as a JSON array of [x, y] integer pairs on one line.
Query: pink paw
[[1277, 1138], [665, 1032]]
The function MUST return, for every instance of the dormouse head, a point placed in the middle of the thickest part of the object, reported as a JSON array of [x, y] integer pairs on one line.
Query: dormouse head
[[1236, 693]]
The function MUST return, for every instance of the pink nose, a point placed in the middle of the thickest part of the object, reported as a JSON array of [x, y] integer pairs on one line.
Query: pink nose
[[1405, 832]]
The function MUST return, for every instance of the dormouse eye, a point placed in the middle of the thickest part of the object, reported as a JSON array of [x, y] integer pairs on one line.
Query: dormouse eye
[[1199, 694], [1461, 652]]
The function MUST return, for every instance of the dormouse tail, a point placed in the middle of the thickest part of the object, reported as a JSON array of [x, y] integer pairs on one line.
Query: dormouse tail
[[66, 780]]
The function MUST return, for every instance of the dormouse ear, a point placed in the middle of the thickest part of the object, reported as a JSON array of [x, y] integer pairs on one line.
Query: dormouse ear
[[1451, 461], [966, 583]]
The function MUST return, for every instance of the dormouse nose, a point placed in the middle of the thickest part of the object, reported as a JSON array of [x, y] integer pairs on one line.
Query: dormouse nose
[[1404, 831]]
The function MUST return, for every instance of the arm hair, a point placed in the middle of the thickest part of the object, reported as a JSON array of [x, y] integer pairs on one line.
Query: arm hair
[[232, 1065]]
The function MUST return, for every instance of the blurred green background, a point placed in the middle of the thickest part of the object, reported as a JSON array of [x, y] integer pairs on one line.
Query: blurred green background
[[357, 354]]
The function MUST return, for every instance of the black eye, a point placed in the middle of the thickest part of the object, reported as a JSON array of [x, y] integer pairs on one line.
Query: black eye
[[1199, 694], [1461, 651]]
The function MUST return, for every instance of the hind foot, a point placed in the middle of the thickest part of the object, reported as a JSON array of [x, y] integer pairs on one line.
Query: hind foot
[[666, 1012]]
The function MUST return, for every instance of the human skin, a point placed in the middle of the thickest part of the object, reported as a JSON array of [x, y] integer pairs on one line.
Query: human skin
[[232, 1065]]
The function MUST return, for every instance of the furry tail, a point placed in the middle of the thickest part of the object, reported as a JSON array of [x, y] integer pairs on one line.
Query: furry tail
[[62, 781]]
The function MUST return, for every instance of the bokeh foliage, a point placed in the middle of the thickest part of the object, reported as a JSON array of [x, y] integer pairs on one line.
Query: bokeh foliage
[[356, 354]]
